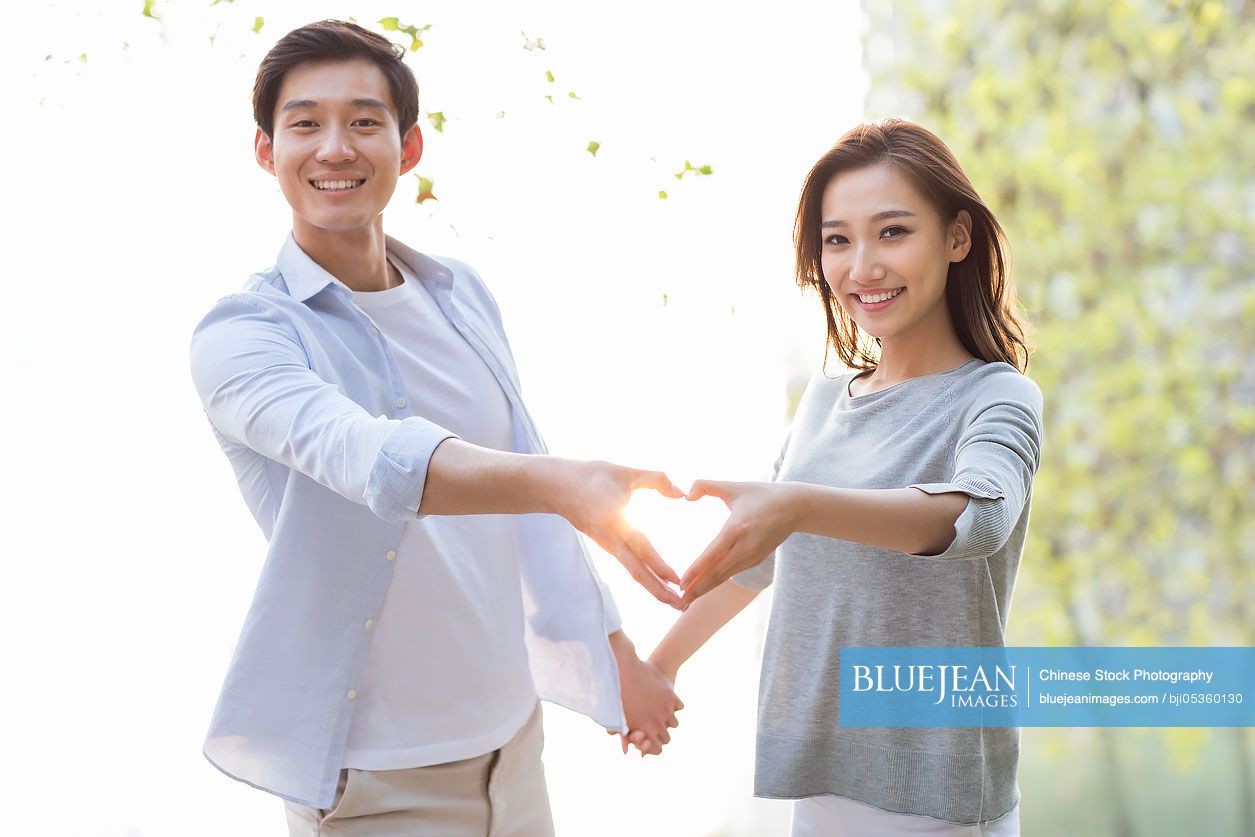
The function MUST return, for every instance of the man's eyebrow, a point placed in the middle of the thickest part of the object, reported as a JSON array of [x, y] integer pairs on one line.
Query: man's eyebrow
[[361, 102], [879, 216]]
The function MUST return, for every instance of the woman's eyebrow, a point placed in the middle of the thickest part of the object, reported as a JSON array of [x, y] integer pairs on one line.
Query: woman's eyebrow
[[879, 216]]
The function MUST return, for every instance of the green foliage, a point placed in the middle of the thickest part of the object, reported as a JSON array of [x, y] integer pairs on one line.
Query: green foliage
[[425, 192], [392, 24], [437, 120], [258, 23], [1113, 142], [696, 170], [593, 147], [148, 10]]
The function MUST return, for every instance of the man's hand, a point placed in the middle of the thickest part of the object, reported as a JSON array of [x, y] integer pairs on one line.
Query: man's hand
[[649, 701], [592, 496], [762, 517]]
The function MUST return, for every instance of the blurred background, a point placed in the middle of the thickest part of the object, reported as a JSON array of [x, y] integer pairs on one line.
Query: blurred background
[[625, 179]]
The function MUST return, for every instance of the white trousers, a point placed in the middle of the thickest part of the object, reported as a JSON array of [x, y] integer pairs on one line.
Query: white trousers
[[836, 816]]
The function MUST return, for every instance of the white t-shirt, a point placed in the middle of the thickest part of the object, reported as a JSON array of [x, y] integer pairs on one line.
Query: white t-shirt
[[447, 674]]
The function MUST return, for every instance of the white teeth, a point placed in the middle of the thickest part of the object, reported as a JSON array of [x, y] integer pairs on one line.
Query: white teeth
[[879, 297], [332, 185]]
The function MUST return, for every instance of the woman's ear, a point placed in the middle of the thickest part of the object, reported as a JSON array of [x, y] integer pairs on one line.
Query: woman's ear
[[961, 236]]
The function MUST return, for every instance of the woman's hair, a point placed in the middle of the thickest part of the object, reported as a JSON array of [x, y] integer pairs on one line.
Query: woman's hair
[[334, 40], [979, 294]]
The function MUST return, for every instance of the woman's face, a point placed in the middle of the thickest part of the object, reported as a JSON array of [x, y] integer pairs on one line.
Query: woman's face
[[886, 251]]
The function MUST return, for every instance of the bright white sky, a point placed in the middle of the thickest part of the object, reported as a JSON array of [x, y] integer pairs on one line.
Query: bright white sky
[[131, 558]]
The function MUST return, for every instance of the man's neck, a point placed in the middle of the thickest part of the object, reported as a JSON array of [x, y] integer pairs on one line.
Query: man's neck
[[358, 258]]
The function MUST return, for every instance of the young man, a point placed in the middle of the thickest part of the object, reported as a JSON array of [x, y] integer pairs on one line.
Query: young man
[[423, 584]]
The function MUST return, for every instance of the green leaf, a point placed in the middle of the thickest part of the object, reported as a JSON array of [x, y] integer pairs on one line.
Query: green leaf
[[393, 24], [501, 114], [705, 170], [593, 146], [549, 76], [662, 195], [425, 192], [148, 9], [550, 98], [532, 43], [571, 94], [664, 300], [437, 120], [258, 23], [216, 2], [83, 57]]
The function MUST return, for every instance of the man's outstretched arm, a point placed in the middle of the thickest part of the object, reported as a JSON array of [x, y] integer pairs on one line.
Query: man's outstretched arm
[[467, 479]]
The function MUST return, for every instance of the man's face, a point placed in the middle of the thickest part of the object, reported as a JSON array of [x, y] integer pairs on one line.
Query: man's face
[[337, 150]]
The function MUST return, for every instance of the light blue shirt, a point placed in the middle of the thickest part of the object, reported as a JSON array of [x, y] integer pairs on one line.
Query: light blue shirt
[[306, 401]]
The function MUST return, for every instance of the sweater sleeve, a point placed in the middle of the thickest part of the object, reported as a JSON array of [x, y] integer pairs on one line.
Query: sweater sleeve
[[996, 459], [759, 577]]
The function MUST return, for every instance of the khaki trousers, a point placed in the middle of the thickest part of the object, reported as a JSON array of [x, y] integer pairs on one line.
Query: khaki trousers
[[498, 794]]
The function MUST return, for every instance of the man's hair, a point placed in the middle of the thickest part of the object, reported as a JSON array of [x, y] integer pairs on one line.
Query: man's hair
[[334, 40]]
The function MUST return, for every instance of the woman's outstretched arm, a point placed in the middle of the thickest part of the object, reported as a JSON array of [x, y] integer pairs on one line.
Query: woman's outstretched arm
[[698, 624]]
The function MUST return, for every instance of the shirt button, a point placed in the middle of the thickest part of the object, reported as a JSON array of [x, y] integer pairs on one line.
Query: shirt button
[[392, 554], [374, 332], [352, 694], [370, 623], [401, 402]]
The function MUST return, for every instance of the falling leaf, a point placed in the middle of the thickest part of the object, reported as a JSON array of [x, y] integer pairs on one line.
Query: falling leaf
[[424, 190], [83, 58], [216, 2], [392, 24], [148, 9], [593, 147], [664, 300], [550, 98], [705, 170], [501, 114], [662, 195], [549, 75], [437, 120], [258, 23], [571, 94], [733, 310], [533, 43]]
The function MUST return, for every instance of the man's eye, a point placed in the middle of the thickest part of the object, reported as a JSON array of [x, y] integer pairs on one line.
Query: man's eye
[[302, 123], [372, 122]]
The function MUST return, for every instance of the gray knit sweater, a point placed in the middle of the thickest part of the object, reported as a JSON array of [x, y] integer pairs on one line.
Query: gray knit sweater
[[975, 429]]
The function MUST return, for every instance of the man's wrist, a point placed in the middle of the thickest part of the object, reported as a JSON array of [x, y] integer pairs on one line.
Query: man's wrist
[[622, 647]]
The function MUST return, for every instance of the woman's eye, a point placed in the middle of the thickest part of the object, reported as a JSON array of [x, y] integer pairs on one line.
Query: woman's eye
[[835, 239], [902, 230]]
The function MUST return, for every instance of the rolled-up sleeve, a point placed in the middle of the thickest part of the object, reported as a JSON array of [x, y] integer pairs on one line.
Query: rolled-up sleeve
[[259, 390], [995, 461]]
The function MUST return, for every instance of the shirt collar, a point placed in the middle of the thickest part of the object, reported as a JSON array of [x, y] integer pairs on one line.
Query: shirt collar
[[305, 277]]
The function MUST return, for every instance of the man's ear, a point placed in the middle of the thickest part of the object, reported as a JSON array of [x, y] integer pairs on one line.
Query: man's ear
[[411, 148], [264, 151], [961, 236]]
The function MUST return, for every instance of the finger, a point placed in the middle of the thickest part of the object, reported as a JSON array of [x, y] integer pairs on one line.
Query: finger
[[624, 742], [710, 581], [649, 556], [672, 721], [710, 557], [641, 574], [658, 481], [708, 488], [679, 704], [664, 736]]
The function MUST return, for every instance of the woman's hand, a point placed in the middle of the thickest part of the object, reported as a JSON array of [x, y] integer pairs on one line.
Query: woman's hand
[[763, 515], [649, 699]]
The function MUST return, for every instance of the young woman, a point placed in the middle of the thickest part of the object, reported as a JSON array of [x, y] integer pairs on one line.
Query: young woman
[[899, 505]]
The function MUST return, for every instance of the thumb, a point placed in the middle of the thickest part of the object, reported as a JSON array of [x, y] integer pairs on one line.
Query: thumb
[[710, 488], [658, 481]]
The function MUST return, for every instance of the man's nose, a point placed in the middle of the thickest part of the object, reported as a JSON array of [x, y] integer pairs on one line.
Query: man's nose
[[336, 147]]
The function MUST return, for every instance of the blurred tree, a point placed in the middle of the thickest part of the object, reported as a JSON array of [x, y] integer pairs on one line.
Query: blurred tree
[[1113, 140]]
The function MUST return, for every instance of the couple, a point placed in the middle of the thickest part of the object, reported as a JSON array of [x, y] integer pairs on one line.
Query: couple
[[425, 585]]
